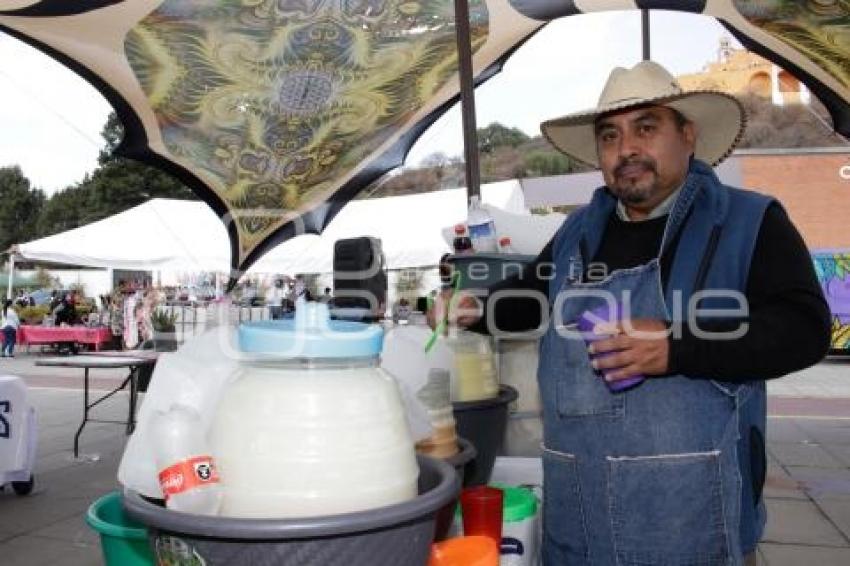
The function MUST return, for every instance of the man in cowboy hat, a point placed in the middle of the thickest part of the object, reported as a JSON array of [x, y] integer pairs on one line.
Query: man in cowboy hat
[[715, 292]]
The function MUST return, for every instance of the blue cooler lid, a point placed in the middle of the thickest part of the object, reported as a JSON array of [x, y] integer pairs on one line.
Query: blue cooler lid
[[311, 334]]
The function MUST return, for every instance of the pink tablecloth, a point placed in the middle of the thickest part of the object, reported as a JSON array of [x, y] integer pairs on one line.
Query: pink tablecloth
[[49, 334]]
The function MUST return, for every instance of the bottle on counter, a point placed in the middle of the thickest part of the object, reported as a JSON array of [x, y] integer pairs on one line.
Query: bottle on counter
[[482, 229], [461, 244], [187, 472], [505, 246]]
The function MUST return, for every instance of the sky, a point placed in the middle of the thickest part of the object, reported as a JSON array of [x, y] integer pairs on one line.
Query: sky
[[50, 120]]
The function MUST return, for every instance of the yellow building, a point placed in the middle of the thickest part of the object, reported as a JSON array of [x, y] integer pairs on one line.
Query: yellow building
[[738, 71]]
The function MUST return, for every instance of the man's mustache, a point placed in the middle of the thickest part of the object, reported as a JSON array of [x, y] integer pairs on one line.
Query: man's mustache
[[646, 163]]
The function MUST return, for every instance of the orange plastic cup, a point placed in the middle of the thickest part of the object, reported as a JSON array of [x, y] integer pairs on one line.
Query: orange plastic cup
[[465, 551]]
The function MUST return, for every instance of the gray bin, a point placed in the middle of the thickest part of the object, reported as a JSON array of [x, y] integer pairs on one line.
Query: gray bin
[[466, 454], [395, 535]]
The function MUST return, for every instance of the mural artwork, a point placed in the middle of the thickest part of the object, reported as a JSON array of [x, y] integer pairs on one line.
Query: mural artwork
[[833, 271]]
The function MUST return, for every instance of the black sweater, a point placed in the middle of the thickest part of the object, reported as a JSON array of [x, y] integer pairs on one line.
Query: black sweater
[[789, 322]]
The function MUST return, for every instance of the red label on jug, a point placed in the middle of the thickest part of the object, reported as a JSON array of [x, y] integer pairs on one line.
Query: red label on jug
[[187, 475]]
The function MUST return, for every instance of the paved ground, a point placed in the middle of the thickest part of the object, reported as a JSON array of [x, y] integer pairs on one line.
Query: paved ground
[[808, 485]]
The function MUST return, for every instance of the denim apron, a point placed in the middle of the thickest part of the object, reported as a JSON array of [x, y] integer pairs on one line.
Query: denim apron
[[654, 475]]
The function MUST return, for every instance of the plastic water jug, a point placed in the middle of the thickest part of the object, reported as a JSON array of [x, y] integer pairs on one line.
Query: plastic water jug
[[187, 472], [482, 229], [311, 425]]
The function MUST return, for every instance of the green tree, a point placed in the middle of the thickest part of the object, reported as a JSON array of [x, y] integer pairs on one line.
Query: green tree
[[64, 210], [545, 163], [115, 186], [122, 183], [496, 135], [44, 280], [21, 207]]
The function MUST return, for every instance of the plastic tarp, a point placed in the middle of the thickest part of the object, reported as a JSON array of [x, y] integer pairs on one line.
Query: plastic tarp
[[174, 235]]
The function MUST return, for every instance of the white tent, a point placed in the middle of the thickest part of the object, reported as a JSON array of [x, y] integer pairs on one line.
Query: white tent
[[161, 234], [409, 228], [174, 235]]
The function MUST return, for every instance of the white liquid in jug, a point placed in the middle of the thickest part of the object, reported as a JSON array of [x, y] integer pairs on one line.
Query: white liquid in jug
[[309, 442]]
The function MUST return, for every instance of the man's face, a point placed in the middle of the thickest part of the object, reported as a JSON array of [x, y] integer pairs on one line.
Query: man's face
[[643, 154]]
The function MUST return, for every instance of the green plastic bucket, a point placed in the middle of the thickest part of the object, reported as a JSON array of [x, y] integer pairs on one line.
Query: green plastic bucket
[[123, 540]]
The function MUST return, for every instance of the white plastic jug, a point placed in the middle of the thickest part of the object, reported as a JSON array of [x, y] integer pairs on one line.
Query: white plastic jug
[[311, 425]]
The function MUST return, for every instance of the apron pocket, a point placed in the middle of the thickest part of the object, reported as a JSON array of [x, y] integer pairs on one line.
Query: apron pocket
[[668, 510], [565, 535], [586, 395]]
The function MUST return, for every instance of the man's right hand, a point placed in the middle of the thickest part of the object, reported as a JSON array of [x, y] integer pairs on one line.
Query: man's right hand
[[464, 309]]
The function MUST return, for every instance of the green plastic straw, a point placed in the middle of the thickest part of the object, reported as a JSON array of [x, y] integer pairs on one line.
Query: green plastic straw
[[441, 327]]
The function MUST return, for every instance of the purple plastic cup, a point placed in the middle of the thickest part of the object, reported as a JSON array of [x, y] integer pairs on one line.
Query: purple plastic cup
[[586, 322]]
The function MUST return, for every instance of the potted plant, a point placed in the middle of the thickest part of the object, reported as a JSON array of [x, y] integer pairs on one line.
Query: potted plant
[[164, 330]]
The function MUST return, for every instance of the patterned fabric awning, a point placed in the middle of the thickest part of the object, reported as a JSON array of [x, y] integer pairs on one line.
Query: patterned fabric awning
[[277, 112]]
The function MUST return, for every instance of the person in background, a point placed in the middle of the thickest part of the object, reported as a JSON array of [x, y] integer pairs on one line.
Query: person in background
[[116, 315], [10, 323], [300, 290], [144, 315], [277, 293], [275, 298], [65, 312], [55, 299], [402, 310]]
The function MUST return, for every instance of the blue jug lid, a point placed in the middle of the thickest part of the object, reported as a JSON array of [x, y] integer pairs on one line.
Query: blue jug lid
[[311, 334]]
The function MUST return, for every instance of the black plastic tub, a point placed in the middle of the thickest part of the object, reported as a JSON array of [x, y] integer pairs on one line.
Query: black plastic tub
[[395, 535], [484, 424]]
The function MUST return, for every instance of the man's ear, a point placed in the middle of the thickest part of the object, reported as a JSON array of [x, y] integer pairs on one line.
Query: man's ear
[[689, 130]]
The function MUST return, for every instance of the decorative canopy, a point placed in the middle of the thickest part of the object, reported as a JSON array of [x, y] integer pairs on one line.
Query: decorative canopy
[[277, 112]]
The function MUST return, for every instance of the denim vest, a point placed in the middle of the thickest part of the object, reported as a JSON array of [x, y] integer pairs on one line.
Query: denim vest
[[659, 474]]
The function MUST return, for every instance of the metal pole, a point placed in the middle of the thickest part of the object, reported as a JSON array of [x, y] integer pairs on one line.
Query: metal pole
[[467, 99], [645, 33]]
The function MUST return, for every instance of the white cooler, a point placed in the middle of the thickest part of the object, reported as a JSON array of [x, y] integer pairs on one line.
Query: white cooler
[[18, 435]]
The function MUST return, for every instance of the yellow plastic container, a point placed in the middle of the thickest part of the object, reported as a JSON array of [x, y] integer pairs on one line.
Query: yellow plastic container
[[474, 375]]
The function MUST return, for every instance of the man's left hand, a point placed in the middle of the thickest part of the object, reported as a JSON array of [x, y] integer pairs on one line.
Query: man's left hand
[[637, 347]]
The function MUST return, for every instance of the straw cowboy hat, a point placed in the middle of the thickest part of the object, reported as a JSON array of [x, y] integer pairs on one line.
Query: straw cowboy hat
[[719, 118]]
